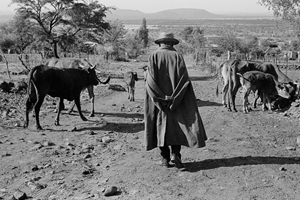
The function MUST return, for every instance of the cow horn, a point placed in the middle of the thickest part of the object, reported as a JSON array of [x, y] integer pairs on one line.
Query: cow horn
[[88, 63], [80, 65]]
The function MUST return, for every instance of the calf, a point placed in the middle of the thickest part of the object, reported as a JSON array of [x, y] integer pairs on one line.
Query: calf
[[56, 82], [130, 78], [231, 68], [263, 82]]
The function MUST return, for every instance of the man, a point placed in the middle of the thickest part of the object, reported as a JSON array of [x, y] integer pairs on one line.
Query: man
[[171, 112]]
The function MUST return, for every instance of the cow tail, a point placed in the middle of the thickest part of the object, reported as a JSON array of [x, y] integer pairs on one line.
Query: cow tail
[[31, 83], [218, 77], [241, 75]]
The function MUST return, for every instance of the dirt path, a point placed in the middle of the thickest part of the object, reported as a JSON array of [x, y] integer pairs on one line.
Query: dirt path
[[248, 156]]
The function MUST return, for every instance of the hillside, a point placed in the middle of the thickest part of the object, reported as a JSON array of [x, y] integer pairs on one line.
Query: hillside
[[183, 13]]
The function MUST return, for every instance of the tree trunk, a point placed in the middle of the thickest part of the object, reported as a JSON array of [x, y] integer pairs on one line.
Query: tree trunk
[[55, 49]]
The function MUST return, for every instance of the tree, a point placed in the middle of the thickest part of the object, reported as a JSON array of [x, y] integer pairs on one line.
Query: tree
[[113, 39], [229, 42], [286, 9], [143, 33], [58, 19], [194, 36], [21, 31]]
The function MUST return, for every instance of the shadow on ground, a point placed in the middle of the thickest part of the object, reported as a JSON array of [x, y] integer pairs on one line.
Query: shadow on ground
[[239, 161], [201, 103], [201, 78]]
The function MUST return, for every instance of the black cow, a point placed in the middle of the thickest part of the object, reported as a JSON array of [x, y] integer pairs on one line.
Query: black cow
[[76, 63], [130, 78], [56, 82]]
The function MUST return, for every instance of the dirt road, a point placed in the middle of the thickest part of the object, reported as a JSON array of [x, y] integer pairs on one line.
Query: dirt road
[[248, 156]]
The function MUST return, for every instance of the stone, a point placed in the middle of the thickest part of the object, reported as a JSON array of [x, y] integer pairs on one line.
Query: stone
[[109, 191], [19, 195], [290, 148], [298, 141], [106, 139]]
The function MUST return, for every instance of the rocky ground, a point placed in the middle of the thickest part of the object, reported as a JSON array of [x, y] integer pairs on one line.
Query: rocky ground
[[248, 156]]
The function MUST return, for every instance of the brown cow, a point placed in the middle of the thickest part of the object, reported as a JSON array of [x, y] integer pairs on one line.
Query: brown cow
[[263, 82], [76, 64], [63, 83], [130, 78], [230, 69]]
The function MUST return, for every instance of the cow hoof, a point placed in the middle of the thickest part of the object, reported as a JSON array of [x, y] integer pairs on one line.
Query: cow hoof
[[84, 119], [92, 115], [39, 128], [56, 123]]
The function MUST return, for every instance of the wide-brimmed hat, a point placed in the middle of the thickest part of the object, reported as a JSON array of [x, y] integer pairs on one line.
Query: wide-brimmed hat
[[166, 37]]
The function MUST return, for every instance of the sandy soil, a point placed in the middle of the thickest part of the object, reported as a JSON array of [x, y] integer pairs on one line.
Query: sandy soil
[[251, 156]]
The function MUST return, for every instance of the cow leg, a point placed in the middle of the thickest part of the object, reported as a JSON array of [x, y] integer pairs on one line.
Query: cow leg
[[128, 91], [224, 93], [29, 107], [245, 101], [90, 90], [133, 94], [269, 102], [57, 107], [257, 95], [71, 108], [60, 108], [264, 102], [37, 108], [77, 102], [235, 89]]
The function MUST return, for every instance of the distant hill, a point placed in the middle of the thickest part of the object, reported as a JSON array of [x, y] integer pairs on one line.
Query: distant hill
[[4, 18], [183, 13]]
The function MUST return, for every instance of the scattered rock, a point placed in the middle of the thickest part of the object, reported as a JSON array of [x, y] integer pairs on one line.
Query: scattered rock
[[116, 87], [35, 186], [48, 144], [35, 168], [298, 141], [19, 195], [118, 147], [282, 169], [72, 129], [36, 147], [109, 191], [89, 132], [20, 86], [87, 156], [6, 87], [106, 139], [290, 148], [5, 154]]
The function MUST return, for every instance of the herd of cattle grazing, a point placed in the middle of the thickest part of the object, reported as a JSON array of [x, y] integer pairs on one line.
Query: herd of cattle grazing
[[66, 78], [264, 79]]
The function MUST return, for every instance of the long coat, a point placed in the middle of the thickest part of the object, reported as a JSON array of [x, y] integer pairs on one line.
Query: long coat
[[171, 111]]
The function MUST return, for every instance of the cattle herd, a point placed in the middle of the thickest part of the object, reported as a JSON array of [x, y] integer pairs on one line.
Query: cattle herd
[[66, 78], [263, 79]]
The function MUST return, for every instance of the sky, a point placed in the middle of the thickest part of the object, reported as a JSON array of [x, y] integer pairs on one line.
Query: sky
[[152, 6]]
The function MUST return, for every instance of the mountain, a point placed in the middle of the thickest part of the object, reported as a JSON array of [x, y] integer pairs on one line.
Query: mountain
[[175, 14]]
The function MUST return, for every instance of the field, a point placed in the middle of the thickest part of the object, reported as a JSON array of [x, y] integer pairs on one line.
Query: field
[[248, 156]]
